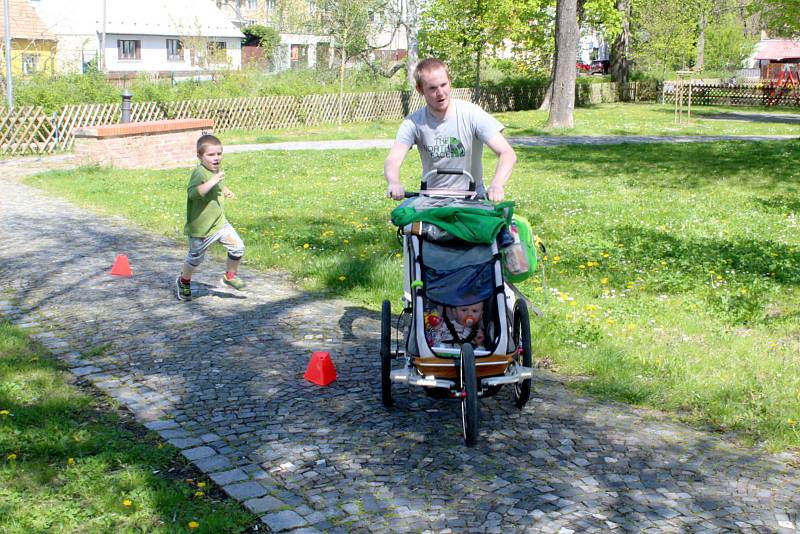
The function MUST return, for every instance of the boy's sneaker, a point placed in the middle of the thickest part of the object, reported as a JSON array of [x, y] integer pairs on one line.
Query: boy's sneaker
[[235, 282], [184, 290]]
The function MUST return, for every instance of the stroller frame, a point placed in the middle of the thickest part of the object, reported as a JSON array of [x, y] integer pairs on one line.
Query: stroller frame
[[463, 373]]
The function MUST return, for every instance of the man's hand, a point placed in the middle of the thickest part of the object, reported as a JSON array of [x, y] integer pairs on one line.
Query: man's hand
[[495, 193], [227, 192], [396, 191]]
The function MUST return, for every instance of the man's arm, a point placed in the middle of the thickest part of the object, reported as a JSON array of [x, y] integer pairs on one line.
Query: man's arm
[[391, 170], [506, 158]]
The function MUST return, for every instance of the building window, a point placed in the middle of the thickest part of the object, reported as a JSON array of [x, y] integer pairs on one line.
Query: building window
[[312, 7], [269, 7], [217, 52], [252, 4], [29, 63], [129, 49], [174, 50], [299, 56]]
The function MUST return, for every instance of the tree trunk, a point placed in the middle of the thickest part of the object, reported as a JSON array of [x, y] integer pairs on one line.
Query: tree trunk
[[620, 64], [412, 29], [341, 85], [477, 94], [563, 96], [701, 42], [548, 93]]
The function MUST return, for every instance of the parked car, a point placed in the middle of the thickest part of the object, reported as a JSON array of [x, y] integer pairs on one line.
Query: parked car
[[583, 68], [599, 66]]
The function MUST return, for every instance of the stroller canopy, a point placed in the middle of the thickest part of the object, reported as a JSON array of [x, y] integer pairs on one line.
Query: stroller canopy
[[474, 222]]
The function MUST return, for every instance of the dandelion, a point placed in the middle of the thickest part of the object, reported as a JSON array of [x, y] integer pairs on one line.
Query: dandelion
[[556, 258], [198, 493], [11, 457], [193, 524], [4, 413], [604, 280], [306, 245], [342, 278], [581, 266], [201, 484], [605, 255], [70, 461], [791, 422], [127, 503]]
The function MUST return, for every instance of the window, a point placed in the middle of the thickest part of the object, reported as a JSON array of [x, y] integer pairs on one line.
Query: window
[[299, 56], [174, 50], [129, 49], [217, 52], [269, 7], [252, 4], [29, 63]]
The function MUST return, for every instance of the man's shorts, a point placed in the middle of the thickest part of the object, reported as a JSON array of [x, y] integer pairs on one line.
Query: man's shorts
[[226, 236]]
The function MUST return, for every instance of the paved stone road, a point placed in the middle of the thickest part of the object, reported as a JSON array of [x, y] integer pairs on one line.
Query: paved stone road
[[221, 378]]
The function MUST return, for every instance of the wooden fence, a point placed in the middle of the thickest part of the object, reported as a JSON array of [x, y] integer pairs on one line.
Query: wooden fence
[[29, 130], [740, 94]]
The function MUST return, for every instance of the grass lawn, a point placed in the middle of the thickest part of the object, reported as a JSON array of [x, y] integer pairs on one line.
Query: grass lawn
[[72, 463], [602, 119], [672, 269]]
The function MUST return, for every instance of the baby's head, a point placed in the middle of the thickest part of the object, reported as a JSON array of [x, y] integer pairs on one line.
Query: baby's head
[[469, 315]]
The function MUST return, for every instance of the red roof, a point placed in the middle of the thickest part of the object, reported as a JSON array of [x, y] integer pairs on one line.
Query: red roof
[[777, 49]]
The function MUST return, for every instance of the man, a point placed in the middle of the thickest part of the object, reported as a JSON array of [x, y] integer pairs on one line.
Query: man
[[449, 134]]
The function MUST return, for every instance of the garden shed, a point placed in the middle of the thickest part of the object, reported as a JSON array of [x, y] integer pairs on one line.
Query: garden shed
[[772, 56]]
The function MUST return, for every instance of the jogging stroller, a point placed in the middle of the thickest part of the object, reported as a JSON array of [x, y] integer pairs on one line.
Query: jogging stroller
[[464, 331]]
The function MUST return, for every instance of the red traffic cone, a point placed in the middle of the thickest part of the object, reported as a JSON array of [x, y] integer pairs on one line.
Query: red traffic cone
[[320, 369], [121, 266]]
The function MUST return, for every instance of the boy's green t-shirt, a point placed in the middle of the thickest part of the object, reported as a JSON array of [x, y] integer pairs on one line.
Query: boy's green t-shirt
[[204, 214]]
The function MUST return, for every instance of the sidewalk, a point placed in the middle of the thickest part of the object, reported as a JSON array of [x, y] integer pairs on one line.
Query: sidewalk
[[221, 379]]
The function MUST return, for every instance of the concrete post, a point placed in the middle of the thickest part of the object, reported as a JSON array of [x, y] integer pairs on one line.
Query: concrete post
[[126, 106]]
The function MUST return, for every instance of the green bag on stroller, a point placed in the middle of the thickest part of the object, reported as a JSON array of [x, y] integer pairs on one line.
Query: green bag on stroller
[[519, 259]]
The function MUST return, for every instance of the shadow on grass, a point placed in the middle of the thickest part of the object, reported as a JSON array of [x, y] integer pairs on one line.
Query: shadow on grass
[[763, 165]]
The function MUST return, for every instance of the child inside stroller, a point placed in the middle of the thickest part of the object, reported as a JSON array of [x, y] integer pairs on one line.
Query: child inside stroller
[[464, 331]]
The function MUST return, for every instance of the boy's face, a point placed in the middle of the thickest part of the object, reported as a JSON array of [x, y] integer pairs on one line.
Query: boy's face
[[211, 157], [469, 315]]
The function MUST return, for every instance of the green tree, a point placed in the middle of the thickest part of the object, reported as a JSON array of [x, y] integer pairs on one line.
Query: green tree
[[464, 33], [348, 23], [663, 34], [727, 43], [781, 17]]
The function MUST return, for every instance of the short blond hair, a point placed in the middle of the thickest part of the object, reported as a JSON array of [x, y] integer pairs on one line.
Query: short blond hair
[[428, 64], [206, 141]]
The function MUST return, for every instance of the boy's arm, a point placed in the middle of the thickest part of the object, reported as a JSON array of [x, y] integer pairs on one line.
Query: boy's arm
[[227, 192], [206, 186]]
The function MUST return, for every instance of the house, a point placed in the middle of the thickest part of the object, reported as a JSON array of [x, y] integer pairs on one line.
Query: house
[[300, 47], [33, 47], [771, 56], [148, 36]]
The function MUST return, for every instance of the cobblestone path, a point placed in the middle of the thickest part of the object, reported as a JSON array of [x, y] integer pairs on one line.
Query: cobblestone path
[[221, 379]]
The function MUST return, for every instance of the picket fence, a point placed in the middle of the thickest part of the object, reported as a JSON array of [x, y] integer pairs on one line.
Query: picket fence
[[736, 94], [30, 130]]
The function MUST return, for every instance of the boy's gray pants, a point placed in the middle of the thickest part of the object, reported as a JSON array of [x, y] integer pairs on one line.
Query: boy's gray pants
[[226, 236]]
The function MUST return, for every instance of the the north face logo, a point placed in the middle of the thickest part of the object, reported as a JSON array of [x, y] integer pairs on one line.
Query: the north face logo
[[446, 148]]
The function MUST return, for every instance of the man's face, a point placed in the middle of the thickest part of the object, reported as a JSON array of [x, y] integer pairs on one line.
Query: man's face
[[211, 158], [434, 84], [469, 315]]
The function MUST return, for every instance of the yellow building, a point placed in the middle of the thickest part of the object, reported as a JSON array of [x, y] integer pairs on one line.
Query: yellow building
[[33, 47]]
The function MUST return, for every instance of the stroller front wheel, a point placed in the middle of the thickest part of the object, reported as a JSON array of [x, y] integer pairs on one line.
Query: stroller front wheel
[[470, 415]]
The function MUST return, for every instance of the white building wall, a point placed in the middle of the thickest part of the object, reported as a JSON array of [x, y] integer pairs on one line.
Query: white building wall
[[153, 57]]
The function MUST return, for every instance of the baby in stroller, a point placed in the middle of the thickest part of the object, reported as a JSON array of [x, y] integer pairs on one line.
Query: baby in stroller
[[456, 325]]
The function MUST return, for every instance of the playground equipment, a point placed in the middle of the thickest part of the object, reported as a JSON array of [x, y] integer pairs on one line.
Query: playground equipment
[[783, 89]]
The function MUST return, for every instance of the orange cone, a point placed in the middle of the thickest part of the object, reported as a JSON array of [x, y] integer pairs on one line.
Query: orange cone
[[121, 266], [320, 369]]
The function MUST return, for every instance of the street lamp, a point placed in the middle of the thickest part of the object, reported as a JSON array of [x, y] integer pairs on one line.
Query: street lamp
[[7, 27]]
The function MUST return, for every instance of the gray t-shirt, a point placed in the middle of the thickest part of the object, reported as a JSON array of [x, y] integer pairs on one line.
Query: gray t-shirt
[[453, 143]]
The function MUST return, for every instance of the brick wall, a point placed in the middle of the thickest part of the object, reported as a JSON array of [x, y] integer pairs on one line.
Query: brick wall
[[141, 145]]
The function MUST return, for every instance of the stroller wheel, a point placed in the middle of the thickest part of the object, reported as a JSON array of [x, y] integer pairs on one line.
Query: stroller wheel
[[470, 415], [386, 353], [523, 356]]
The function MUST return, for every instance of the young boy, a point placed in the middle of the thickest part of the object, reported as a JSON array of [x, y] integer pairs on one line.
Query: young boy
[[205, 219]]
